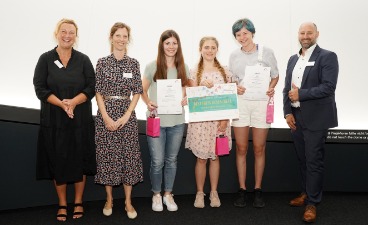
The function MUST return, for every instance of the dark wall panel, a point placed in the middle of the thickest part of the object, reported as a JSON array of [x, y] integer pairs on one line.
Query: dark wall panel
[[345, 170]]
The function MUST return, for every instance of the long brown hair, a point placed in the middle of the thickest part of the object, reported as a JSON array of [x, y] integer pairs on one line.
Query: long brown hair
[[161, 71], [217, 63]]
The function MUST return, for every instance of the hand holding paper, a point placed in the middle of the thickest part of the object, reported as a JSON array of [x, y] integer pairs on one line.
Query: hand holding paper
[[169, 96]]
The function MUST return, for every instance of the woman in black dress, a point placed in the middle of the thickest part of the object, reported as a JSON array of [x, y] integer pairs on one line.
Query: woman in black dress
[[64, 81], [117, 146]]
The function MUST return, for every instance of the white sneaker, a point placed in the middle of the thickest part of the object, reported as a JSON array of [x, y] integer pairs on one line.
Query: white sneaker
[[215, 200], [199, 200], [170, 203], [157, 203]]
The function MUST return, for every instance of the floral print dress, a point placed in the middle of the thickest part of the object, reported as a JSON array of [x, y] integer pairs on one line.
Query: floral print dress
[[117, 152], [201, 136]]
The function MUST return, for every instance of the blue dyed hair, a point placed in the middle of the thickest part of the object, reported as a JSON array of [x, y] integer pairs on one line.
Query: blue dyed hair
[[246, 23]]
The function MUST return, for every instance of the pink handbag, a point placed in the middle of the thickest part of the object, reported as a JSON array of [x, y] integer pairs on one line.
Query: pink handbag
[[222, 145], [270, 111], [153, 125]]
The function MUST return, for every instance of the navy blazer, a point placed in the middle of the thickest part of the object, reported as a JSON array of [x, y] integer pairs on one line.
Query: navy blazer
[[317, 91]]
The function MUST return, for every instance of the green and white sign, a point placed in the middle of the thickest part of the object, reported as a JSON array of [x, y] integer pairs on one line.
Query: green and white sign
[[217, 103]]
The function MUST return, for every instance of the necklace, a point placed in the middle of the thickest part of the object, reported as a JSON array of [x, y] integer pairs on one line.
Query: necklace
[[254, 45]]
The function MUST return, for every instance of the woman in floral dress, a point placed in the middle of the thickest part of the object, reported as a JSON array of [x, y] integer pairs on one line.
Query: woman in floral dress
[[201, 136], [117, 146]]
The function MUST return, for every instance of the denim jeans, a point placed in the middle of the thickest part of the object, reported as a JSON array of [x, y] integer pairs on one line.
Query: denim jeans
[[164, 151]]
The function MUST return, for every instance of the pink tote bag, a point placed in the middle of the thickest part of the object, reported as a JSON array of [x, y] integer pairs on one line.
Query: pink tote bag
[[153, 125], [222, 145], [270, 111]]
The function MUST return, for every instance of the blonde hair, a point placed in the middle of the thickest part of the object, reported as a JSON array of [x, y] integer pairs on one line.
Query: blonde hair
[[68, 21], [217, 63]]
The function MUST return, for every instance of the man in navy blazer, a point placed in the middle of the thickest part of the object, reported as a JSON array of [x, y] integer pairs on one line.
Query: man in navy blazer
[[310, 110]]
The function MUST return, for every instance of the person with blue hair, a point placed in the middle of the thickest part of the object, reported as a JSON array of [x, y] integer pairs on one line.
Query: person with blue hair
[[246, 62]]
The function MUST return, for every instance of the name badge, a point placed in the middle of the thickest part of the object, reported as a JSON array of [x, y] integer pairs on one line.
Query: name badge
[[58, 64], [310, 63], [127, 75]]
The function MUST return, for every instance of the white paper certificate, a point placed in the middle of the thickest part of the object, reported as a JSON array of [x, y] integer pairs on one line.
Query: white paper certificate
[[256, 82], [169, 96]]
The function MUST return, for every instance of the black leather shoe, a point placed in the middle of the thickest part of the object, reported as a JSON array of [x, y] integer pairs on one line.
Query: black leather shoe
[[258, 199], [240, 200]]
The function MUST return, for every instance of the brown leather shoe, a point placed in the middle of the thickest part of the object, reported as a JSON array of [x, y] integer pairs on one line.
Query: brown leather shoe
[[310, 214], [298, 201]]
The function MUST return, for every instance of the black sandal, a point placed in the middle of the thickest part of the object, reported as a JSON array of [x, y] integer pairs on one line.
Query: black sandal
[[61, 215], [77, 215]]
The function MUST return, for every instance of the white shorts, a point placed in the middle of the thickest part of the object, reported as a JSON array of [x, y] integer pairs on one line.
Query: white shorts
[[252, 114]]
